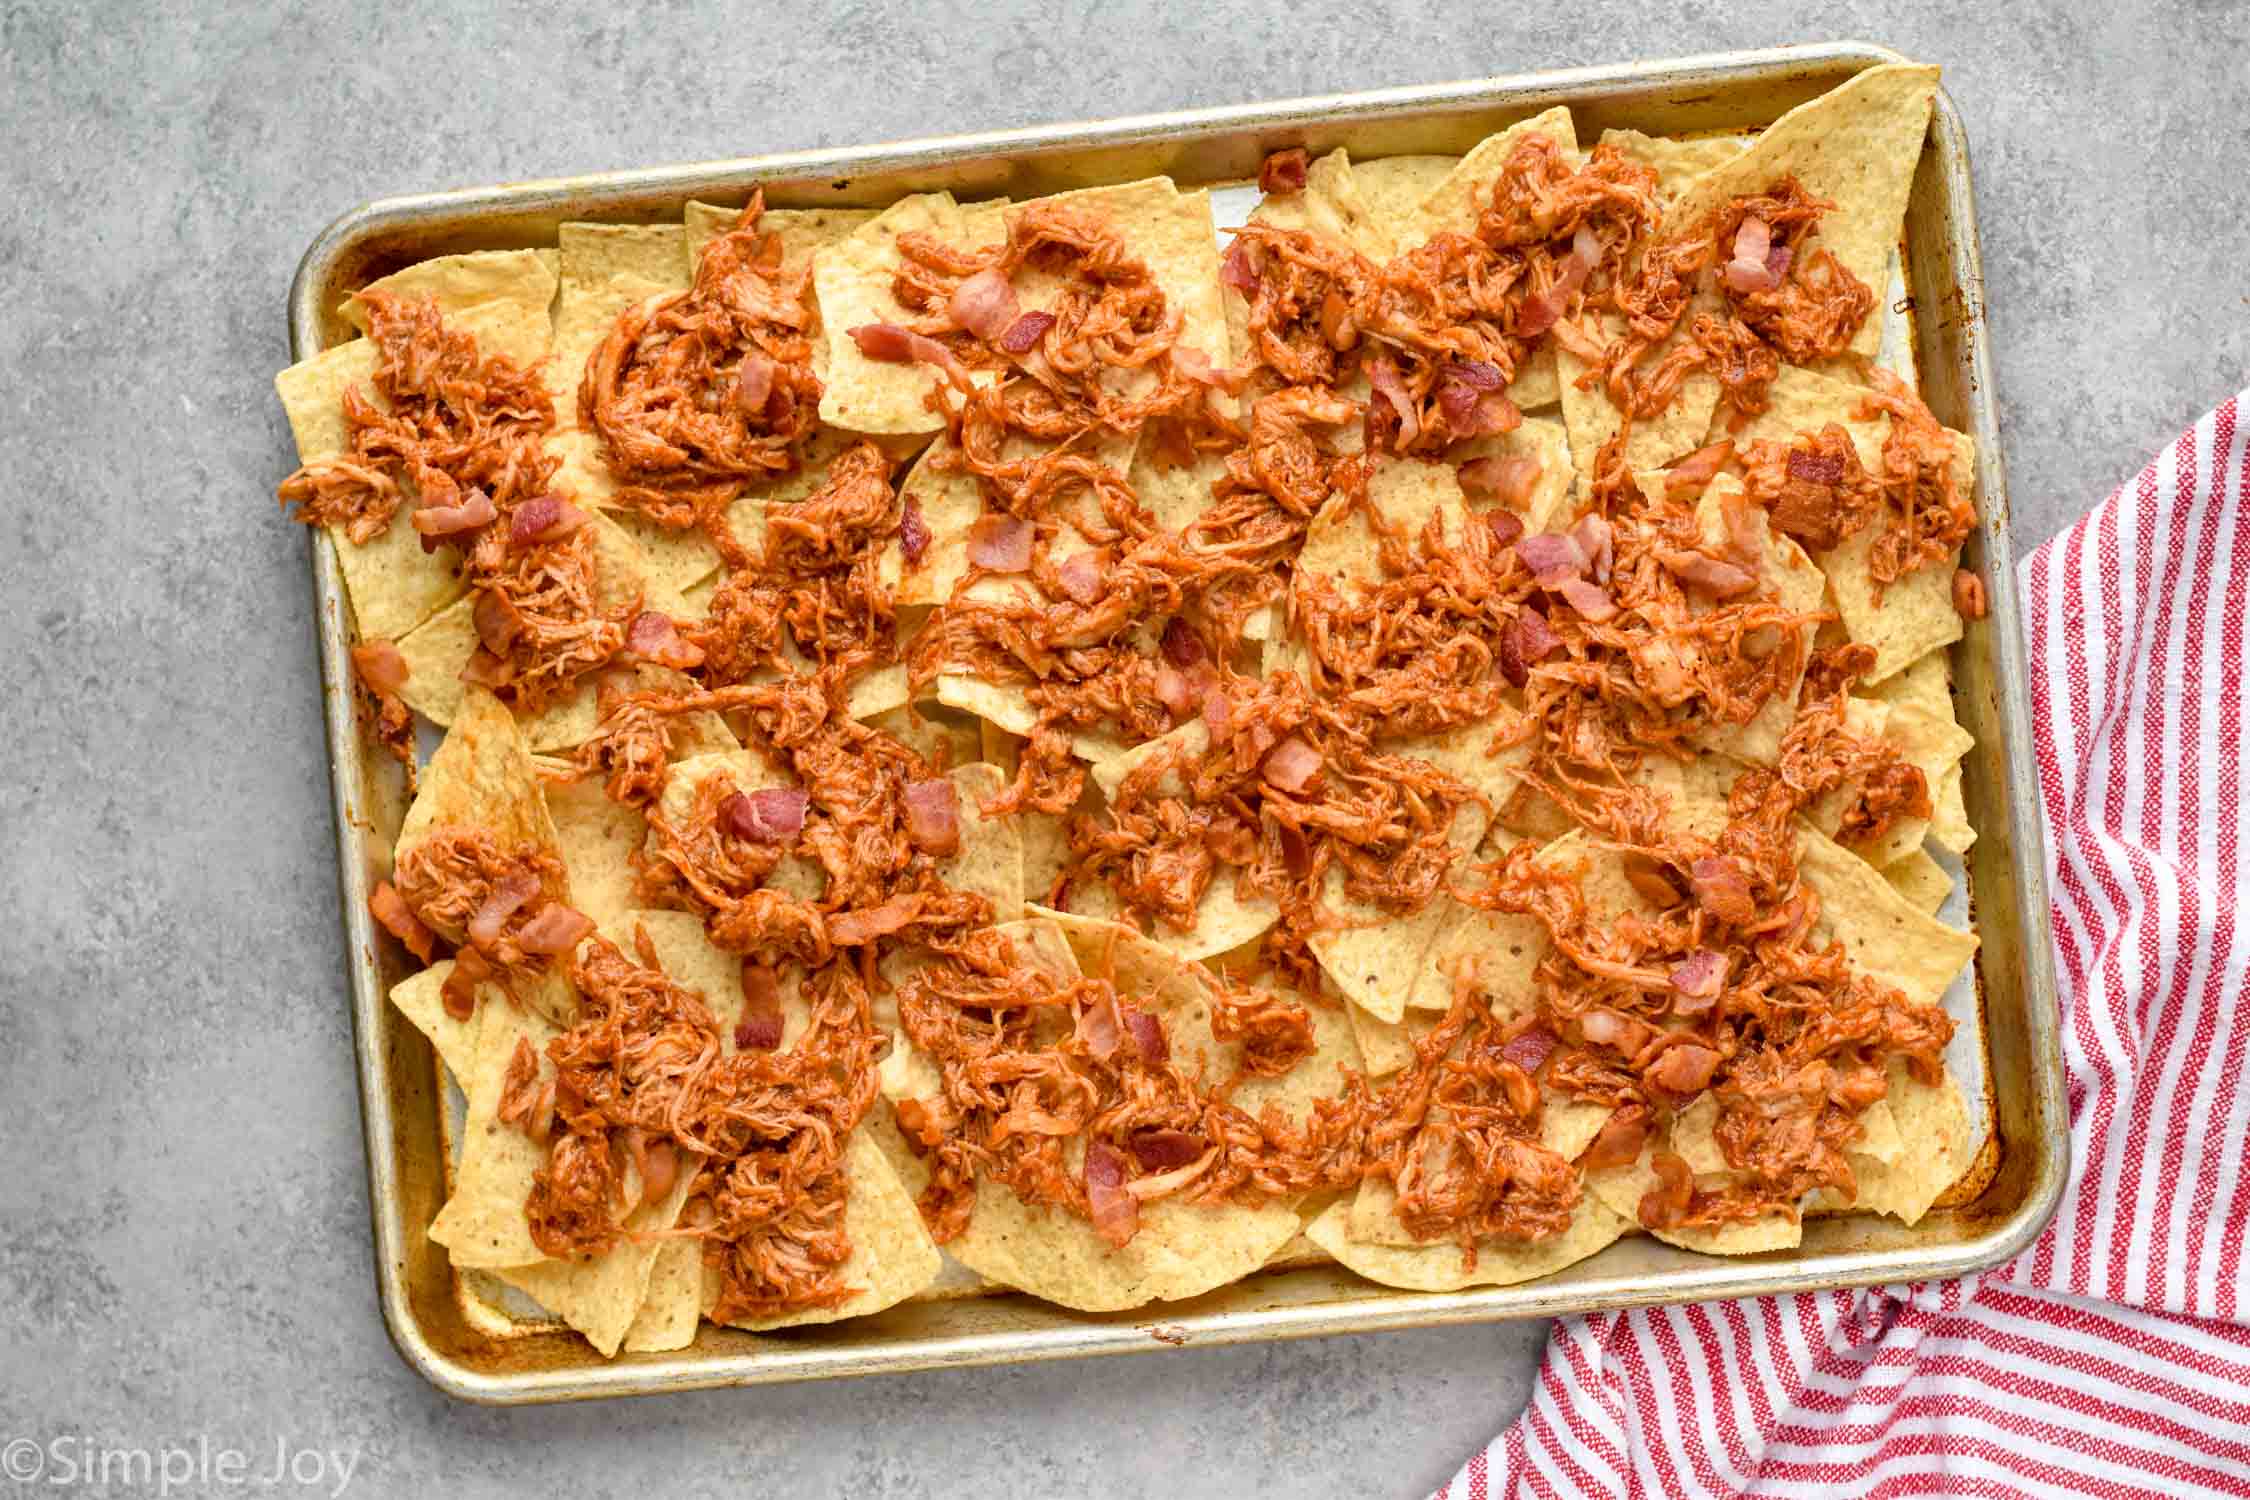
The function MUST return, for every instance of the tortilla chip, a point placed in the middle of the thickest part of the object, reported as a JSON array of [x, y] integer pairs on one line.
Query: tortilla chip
[[852, 280], [481, 777], [597, 838], [1676, 163], [1921, 880], [1330, 204], [672, 1307], [1856, 145], [1175, 494], [1385, 1047], [1622, 1188], [1870, 720], [1182, 1249], [990, 860], [1005, 706], [1935, 746], [892, 1255], [1393, 188], [1939, 1142], [1905, 620], [1592, 419], [1884, 935], [501, 295], [802, 231], [419, 999], [1494, 950], [602, 1297], [1440, 1267], [1924, 684], [1568, 1126], [392, 583], [482, 1224], [437, 651]]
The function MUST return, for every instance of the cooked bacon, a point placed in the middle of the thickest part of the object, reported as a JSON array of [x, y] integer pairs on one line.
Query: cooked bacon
[[541, 519], [382, 673], [1114, 1210], [1690, 476], [762, 1023], [1709, 576], [1025, 332], [1551, 558], [891, 344], [1968, 595], [1528, 1049], [933, 817], [1589, 599], [1162, 1150], [770, 815], [1511, 479], [390, 909], [380, 665], [1081, 576], [1236, 269], [1506, 527], [554, 928], [913, 532], [654, 636], [854, 928], [1683, 1070], [507, 894], [1697, 980], [985, 304], [1527, 641], [1723, 890], [1382, 374], [1283, 172], [473, 512], [1000, 543], [1291, 765]]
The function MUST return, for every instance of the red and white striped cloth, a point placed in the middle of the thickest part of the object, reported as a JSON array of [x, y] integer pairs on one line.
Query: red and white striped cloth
[[2113, 1357]]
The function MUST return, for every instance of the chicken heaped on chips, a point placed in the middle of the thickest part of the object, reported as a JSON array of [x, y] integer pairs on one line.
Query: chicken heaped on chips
[[1094, 754]]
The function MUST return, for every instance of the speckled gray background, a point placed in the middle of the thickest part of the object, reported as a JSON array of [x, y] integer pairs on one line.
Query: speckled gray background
[[183, 1226]]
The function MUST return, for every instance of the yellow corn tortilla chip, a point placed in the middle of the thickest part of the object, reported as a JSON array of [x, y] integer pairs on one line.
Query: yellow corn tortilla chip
[[1593, 419], [1906, 620], [597, 838], [1175, 494], [1950, 823], [1921, 880], [1393, 188], [672, 1307], [1857, 146], [802, 231], [438, 650], [602, 1297], [504, 293], [1622, 1189], [852, 281], [1935, 746], [1871, 720], [1329, 204], [392, 583], [1494, 950], [1924, 684], [1938, 1142], [1456, 202], [1440, 1267], [482, 776], [418, 998], [1385, 1047], [483, 1224], [1182, 1249], [1566, 1127], [1676, 163], [1884, 935]]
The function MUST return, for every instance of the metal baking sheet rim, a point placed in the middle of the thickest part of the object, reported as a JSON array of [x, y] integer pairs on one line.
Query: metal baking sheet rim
[[2007, 870]]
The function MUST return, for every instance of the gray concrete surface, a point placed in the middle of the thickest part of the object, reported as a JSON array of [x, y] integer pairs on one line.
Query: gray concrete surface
[[183, 1248]]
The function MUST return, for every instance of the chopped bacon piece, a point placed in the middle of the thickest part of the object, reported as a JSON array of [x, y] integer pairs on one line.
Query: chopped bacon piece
[[1528, 1049], [1182, 647], [1667, 1203], [1236, 268], [1175, 690], [1618, 1143], [1551, 558], [1098, 1028], [1116, 1215], [1382, 374], [892, 344], [1697, 980], [390, 909], [459, 992], [753, 385], [1026, 331], [1147, 1033], [440, 522], [654, 637], [1283, 172], [1510, 479], [1505, 525], [770, 815], [1704, 574], [1161, 1150], [1527, 641], [1589, 599], [508, 894], [1684, 1069], [380, 665], [1969, 601], [913, 531], [554, 928], [1723, 890], [1603, 1027], [542, 519], [933, 817], [1081, 575], [984, 304], [1218, 712], [1001, 543], [497, 622], [762, 1021], [1291, 765], [1597, 543]]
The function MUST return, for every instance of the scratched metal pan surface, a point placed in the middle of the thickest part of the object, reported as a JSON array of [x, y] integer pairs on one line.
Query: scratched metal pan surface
[[434, 1324]]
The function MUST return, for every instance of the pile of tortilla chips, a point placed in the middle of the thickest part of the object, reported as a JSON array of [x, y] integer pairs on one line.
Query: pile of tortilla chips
[[1386, 980]]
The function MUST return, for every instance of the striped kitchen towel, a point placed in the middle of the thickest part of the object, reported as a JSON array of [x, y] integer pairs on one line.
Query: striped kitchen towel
[[2113, 1357]]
